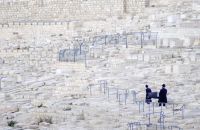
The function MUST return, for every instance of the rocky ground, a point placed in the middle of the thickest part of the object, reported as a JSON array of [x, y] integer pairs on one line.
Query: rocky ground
[[62, 99], [38, 92]]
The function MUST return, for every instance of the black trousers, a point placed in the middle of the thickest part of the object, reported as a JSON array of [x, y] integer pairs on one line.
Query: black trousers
[[161, 104]]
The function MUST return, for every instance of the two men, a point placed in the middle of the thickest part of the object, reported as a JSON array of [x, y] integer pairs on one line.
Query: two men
[[162, 99]]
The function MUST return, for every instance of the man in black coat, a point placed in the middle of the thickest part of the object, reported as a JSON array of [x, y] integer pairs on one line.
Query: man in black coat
[[162, 96], [148, 91]]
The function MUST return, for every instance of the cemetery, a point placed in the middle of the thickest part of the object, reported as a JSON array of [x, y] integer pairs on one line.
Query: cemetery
[[84, 64]]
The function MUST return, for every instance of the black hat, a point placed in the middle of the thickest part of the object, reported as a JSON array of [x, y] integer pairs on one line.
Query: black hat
[[146, 86], [163, 85]]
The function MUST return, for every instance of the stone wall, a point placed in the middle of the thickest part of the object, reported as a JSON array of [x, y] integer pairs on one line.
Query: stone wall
[[24, 10]]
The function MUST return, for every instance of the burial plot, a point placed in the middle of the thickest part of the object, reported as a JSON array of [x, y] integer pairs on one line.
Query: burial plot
[[136, 126], [72, 55], [113, 39], [122, 39], [149, 38], [176, 109], [174, 127], [81, 44], [134, 38], [99, 40]]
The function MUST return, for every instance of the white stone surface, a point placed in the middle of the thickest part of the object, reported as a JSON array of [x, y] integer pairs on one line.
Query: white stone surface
[[38, 87]]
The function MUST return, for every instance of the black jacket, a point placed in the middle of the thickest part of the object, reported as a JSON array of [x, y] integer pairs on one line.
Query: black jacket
[[148, 90], [163, 95]]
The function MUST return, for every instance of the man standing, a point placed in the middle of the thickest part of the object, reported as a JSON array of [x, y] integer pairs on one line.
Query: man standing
[[148, 91], [162, 96]]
